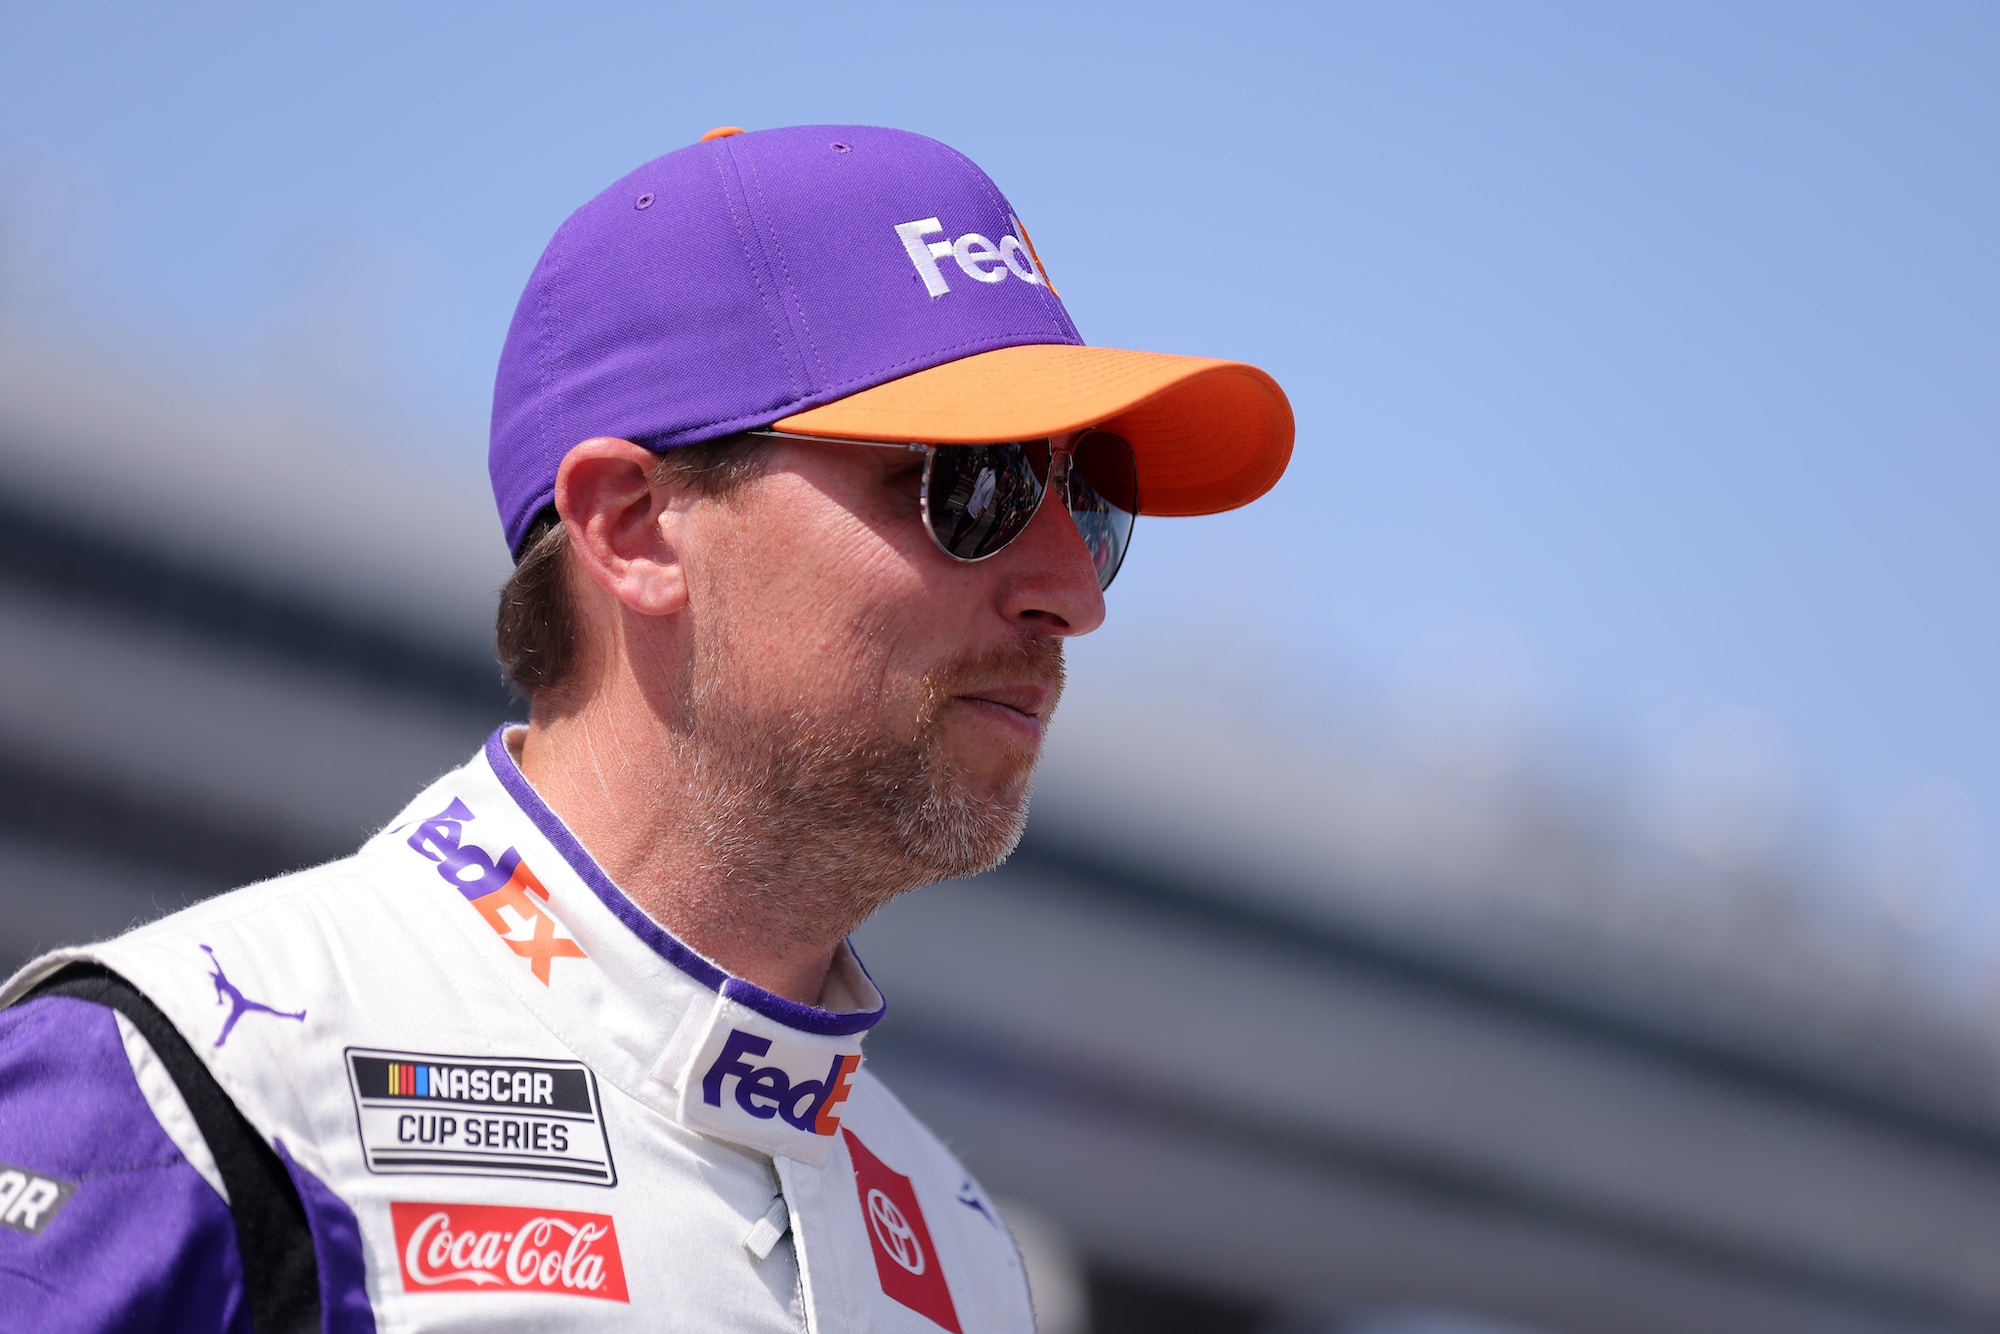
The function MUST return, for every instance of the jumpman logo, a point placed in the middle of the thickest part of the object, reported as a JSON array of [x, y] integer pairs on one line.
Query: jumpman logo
[[968, 1195], [239, 1004]]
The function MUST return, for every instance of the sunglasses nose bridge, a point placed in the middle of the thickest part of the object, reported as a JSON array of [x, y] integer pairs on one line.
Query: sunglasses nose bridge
[[1061, 459]]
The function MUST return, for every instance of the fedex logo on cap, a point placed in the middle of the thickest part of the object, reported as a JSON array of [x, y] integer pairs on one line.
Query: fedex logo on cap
[[977, 257]]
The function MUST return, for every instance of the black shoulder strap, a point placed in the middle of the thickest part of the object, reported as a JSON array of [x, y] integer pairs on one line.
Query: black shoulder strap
[[280, 1272]]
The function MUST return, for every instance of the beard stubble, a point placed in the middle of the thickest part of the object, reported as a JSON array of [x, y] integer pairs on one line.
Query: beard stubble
[[815, 820]]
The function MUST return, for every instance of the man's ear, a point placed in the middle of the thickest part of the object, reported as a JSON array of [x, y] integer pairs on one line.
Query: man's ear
[[607, 499]]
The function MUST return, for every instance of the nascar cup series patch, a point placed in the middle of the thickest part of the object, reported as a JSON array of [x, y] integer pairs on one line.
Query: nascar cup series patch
[[760, 1083], [494, 1116]]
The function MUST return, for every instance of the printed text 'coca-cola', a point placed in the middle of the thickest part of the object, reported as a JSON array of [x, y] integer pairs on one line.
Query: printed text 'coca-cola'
[[500, 1248]]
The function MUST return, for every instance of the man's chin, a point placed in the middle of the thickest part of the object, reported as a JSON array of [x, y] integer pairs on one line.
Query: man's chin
[[963, 828]]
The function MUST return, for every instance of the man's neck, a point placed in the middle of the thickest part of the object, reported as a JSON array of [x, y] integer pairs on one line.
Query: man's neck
[[622, 792]]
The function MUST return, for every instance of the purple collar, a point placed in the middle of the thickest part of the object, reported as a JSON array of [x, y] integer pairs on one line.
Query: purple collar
[[806, 1018]]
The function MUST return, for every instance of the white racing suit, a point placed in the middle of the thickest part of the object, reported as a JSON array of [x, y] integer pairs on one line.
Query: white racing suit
[[512, 1101]]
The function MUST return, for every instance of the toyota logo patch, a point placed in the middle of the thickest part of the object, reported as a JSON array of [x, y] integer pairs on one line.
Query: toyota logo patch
[[906, 1259]]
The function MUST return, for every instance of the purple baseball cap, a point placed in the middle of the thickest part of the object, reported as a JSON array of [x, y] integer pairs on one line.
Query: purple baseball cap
[[848, 281]]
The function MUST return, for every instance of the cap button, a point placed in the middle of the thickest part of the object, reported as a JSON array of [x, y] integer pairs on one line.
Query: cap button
[[722, 132]]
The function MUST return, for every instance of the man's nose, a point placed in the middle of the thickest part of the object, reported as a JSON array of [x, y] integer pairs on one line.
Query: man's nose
[[1050, 582]]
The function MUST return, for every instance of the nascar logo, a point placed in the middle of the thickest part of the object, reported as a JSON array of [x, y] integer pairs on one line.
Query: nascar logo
[[405, 1080]]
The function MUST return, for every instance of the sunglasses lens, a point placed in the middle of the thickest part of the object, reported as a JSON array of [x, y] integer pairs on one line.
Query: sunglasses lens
[[1104, 499], [981, 497]]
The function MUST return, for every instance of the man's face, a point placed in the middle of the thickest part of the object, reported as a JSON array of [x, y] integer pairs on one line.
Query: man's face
[[851, 679]]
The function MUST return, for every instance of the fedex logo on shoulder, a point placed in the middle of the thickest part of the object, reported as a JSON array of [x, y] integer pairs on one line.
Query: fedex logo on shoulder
[[507, 894], [977, 257], [766, 1091]]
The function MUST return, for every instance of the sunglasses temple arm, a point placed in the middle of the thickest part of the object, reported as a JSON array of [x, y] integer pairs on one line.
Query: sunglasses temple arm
[[836, 440]]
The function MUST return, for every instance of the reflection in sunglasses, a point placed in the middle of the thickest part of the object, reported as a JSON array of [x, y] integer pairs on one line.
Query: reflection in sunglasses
[[982, 492]]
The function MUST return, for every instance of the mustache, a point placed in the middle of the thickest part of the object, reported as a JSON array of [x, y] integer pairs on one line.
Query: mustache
[[1037, 661]]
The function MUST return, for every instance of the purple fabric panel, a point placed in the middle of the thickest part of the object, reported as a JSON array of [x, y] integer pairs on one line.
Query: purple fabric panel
[[806, 1018], [634, 322], [144, 1244], [343, 1268]]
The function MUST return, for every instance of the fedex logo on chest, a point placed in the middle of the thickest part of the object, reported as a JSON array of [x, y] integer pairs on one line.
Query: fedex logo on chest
[[977, 257], [766, 1091], [767, 1085]]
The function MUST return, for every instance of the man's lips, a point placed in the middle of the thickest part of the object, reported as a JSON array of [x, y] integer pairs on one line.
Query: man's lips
[[1027, 698], [1024, 705]]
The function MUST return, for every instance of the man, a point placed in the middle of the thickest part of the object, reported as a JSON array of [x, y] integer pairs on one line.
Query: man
[[807, 476]]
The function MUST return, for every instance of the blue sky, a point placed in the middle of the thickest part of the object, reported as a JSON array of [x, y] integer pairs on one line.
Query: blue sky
[[1646, 358]]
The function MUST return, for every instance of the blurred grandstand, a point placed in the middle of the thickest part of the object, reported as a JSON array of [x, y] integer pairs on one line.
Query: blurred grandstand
[[1257, 1034]]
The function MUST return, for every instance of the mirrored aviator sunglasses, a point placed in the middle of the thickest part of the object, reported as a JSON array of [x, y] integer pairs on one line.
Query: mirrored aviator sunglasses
[[978, 498]]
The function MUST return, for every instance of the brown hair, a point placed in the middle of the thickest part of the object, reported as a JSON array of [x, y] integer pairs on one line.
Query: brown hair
[[535, 629]]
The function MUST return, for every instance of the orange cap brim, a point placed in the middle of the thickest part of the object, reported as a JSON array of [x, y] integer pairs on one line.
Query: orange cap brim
[[1209, 435]]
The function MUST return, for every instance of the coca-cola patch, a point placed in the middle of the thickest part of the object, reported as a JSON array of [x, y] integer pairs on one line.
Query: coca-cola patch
[[500, 1248]]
